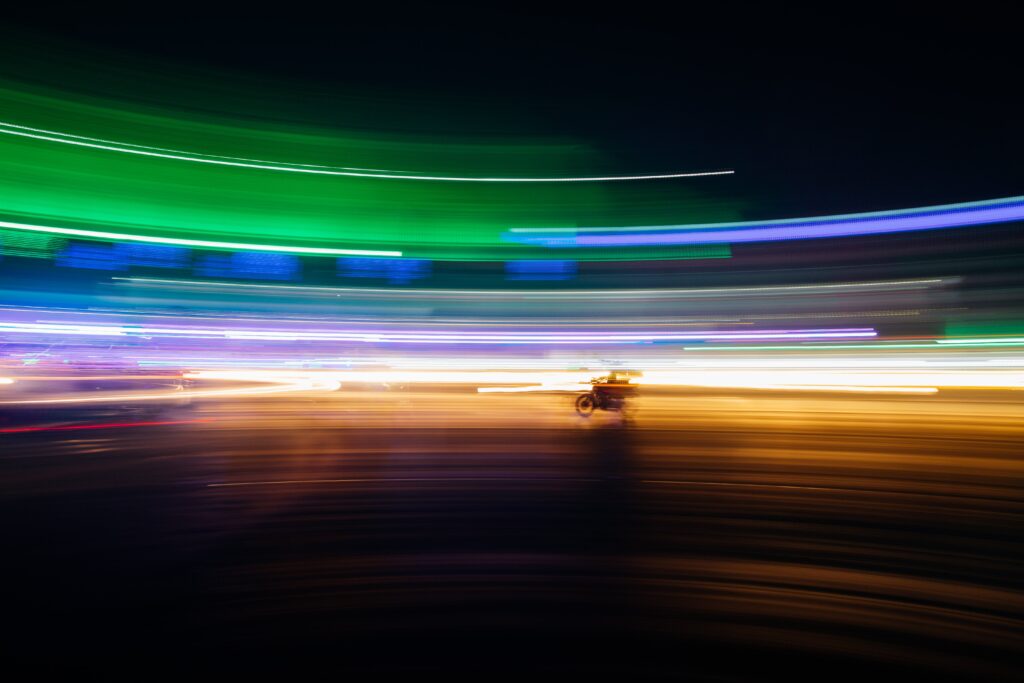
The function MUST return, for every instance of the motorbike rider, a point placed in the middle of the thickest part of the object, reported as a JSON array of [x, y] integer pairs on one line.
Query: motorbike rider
[[608, 392], [615, 385]]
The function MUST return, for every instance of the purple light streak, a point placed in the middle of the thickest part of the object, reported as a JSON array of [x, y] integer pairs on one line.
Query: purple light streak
[[929, 218]]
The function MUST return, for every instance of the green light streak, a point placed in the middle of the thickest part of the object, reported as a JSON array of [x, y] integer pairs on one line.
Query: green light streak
[[179, 155], [122, 176], [985, 329], [207, 244], [998, 341], [29, 244]]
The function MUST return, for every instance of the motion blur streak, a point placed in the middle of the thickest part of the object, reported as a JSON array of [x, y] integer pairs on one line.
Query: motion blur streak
[[775, 387], [927, 218], [110, 146], [412, 336], [281, 386], [210, 244], [492, 294], [104, 425]]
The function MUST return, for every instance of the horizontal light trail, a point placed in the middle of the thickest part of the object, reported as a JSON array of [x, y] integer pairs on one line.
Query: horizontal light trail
[[419, 337], [716, 374], [842, 387], [320, 384], [103, 425], [772, 387], [838, 378], [100, 378], [206, 244], [989, 341], [179, 155], [6, 380], [881, 345], [395, 367], [393, 480], [848, 363], [810, 377], [540, 387], [596, 294], [880, 222]]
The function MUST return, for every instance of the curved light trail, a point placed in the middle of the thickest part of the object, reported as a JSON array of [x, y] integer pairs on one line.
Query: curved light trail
[[207, 244], [180, 155], [563, 294], [421, 336], [986, 212]]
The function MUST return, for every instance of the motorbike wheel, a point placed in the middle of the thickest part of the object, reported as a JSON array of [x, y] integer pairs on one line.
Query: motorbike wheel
[[585, 405]]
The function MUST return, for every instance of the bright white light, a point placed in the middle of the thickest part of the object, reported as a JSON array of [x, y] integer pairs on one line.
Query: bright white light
[[209, 244], [845, 388]]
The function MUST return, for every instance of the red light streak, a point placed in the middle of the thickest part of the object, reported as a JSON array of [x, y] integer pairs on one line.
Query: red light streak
[[103, 425]]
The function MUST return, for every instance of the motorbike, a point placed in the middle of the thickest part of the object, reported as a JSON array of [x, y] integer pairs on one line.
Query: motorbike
[[606, 393]]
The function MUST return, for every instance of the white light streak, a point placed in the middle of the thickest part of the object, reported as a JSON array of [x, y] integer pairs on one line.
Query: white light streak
[[183, 242], [179, 155], [597, 294]]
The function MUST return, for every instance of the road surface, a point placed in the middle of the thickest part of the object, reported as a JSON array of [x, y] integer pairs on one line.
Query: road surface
[[719, 535]]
